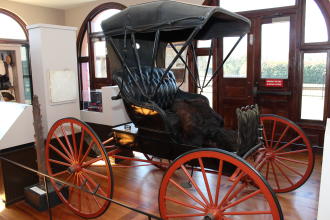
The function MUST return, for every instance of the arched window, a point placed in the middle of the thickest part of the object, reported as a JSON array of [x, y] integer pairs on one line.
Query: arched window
[[94, 67], [13, 32]]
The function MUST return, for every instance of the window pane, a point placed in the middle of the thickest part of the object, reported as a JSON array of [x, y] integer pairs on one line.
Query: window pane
[[170, 55], [275, 39], [315, 27], [97, 20], [244, 5], [203, 43], [84, 46], [312, 102], [26, 76], [10, 29], [236, 65], [202, 66], [100, 59], [85, 82]]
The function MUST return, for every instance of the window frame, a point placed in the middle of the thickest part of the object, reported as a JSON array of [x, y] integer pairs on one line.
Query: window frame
[[22, 25], [95, 83], [23, 43]]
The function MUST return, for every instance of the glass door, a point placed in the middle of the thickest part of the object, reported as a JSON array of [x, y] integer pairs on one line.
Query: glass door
[[274, 64]]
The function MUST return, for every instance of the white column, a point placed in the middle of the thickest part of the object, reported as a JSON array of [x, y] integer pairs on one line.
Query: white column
[[324, 199], [53, 54]]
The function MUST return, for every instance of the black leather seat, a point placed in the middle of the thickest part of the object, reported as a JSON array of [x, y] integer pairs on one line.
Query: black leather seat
[[148, 81], [160, 103]]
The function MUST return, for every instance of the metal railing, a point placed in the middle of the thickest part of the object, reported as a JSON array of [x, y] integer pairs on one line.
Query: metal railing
[[82, 188]]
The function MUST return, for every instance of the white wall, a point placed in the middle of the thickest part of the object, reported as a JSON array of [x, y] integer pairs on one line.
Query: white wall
[[31, 14], [324, 210]]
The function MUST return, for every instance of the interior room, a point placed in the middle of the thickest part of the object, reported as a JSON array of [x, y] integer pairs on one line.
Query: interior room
[[164, 109]]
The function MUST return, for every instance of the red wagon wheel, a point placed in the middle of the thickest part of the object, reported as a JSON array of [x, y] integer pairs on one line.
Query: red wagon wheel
[[286, 159], [215, 194], [75, 154]]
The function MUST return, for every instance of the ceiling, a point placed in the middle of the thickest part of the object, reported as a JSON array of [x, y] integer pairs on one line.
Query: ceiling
[[59, 4]]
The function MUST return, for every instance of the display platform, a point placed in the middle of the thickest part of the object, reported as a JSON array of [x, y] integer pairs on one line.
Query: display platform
[[113, 111], [16, 122]]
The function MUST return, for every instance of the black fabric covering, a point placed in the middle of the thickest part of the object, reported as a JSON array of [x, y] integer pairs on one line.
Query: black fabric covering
[[194, 122], [176, 20]]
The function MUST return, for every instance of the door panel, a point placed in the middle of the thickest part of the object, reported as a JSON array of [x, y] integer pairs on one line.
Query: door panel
[[274, 64], [235, 86]]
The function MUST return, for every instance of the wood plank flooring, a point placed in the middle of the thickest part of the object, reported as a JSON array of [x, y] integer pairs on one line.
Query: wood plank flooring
[[138, 187]]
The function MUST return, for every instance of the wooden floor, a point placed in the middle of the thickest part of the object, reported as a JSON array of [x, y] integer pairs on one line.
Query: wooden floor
[[138, 187]]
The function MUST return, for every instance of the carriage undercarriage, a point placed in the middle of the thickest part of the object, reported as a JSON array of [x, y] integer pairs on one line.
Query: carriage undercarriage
[[204, 183]]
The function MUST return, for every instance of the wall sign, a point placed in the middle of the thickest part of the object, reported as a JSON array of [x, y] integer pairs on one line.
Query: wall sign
[[63, 86], [274, 83]]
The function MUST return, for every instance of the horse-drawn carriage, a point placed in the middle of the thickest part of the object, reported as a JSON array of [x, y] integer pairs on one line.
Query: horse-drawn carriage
[[210, 172]]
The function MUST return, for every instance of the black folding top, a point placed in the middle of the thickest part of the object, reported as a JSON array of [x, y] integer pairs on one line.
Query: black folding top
[[177, 18]]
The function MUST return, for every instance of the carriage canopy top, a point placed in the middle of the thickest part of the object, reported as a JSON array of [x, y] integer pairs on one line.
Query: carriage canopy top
[[177, 19]]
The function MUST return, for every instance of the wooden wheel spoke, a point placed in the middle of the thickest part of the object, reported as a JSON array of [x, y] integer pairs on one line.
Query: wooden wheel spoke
[[91, 161], [63, 146], [59, 162], [288, 144], [74, 141], [66, 180], [72, 188], [292, 160], [217, 190], [236, 192], [267, 170], [95, 173], [231, 189], [289, 168], [249, 213], [79, 192], [60, 153], [201, 164], [184, 204], [292, 152], [275, 175], [67, 140], [261, 164], [83, 179], [81, 145], [187, 193], [194, 184], [59, 173], [185, 215], [87, 152], [284, 174], [264, 134], [282, 135], [89, 179], [273, 133], [90, 189], [249, 196]]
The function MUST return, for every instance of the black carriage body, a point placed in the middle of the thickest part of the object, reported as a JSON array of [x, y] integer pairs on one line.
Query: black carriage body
[[136, 45]]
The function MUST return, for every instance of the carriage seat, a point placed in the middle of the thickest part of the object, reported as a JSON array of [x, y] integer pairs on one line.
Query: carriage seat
[[148, 81]]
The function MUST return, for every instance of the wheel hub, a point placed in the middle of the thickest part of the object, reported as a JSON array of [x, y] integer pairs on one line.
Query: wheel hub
[[213, 214], [270, 153], [74, 168]]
